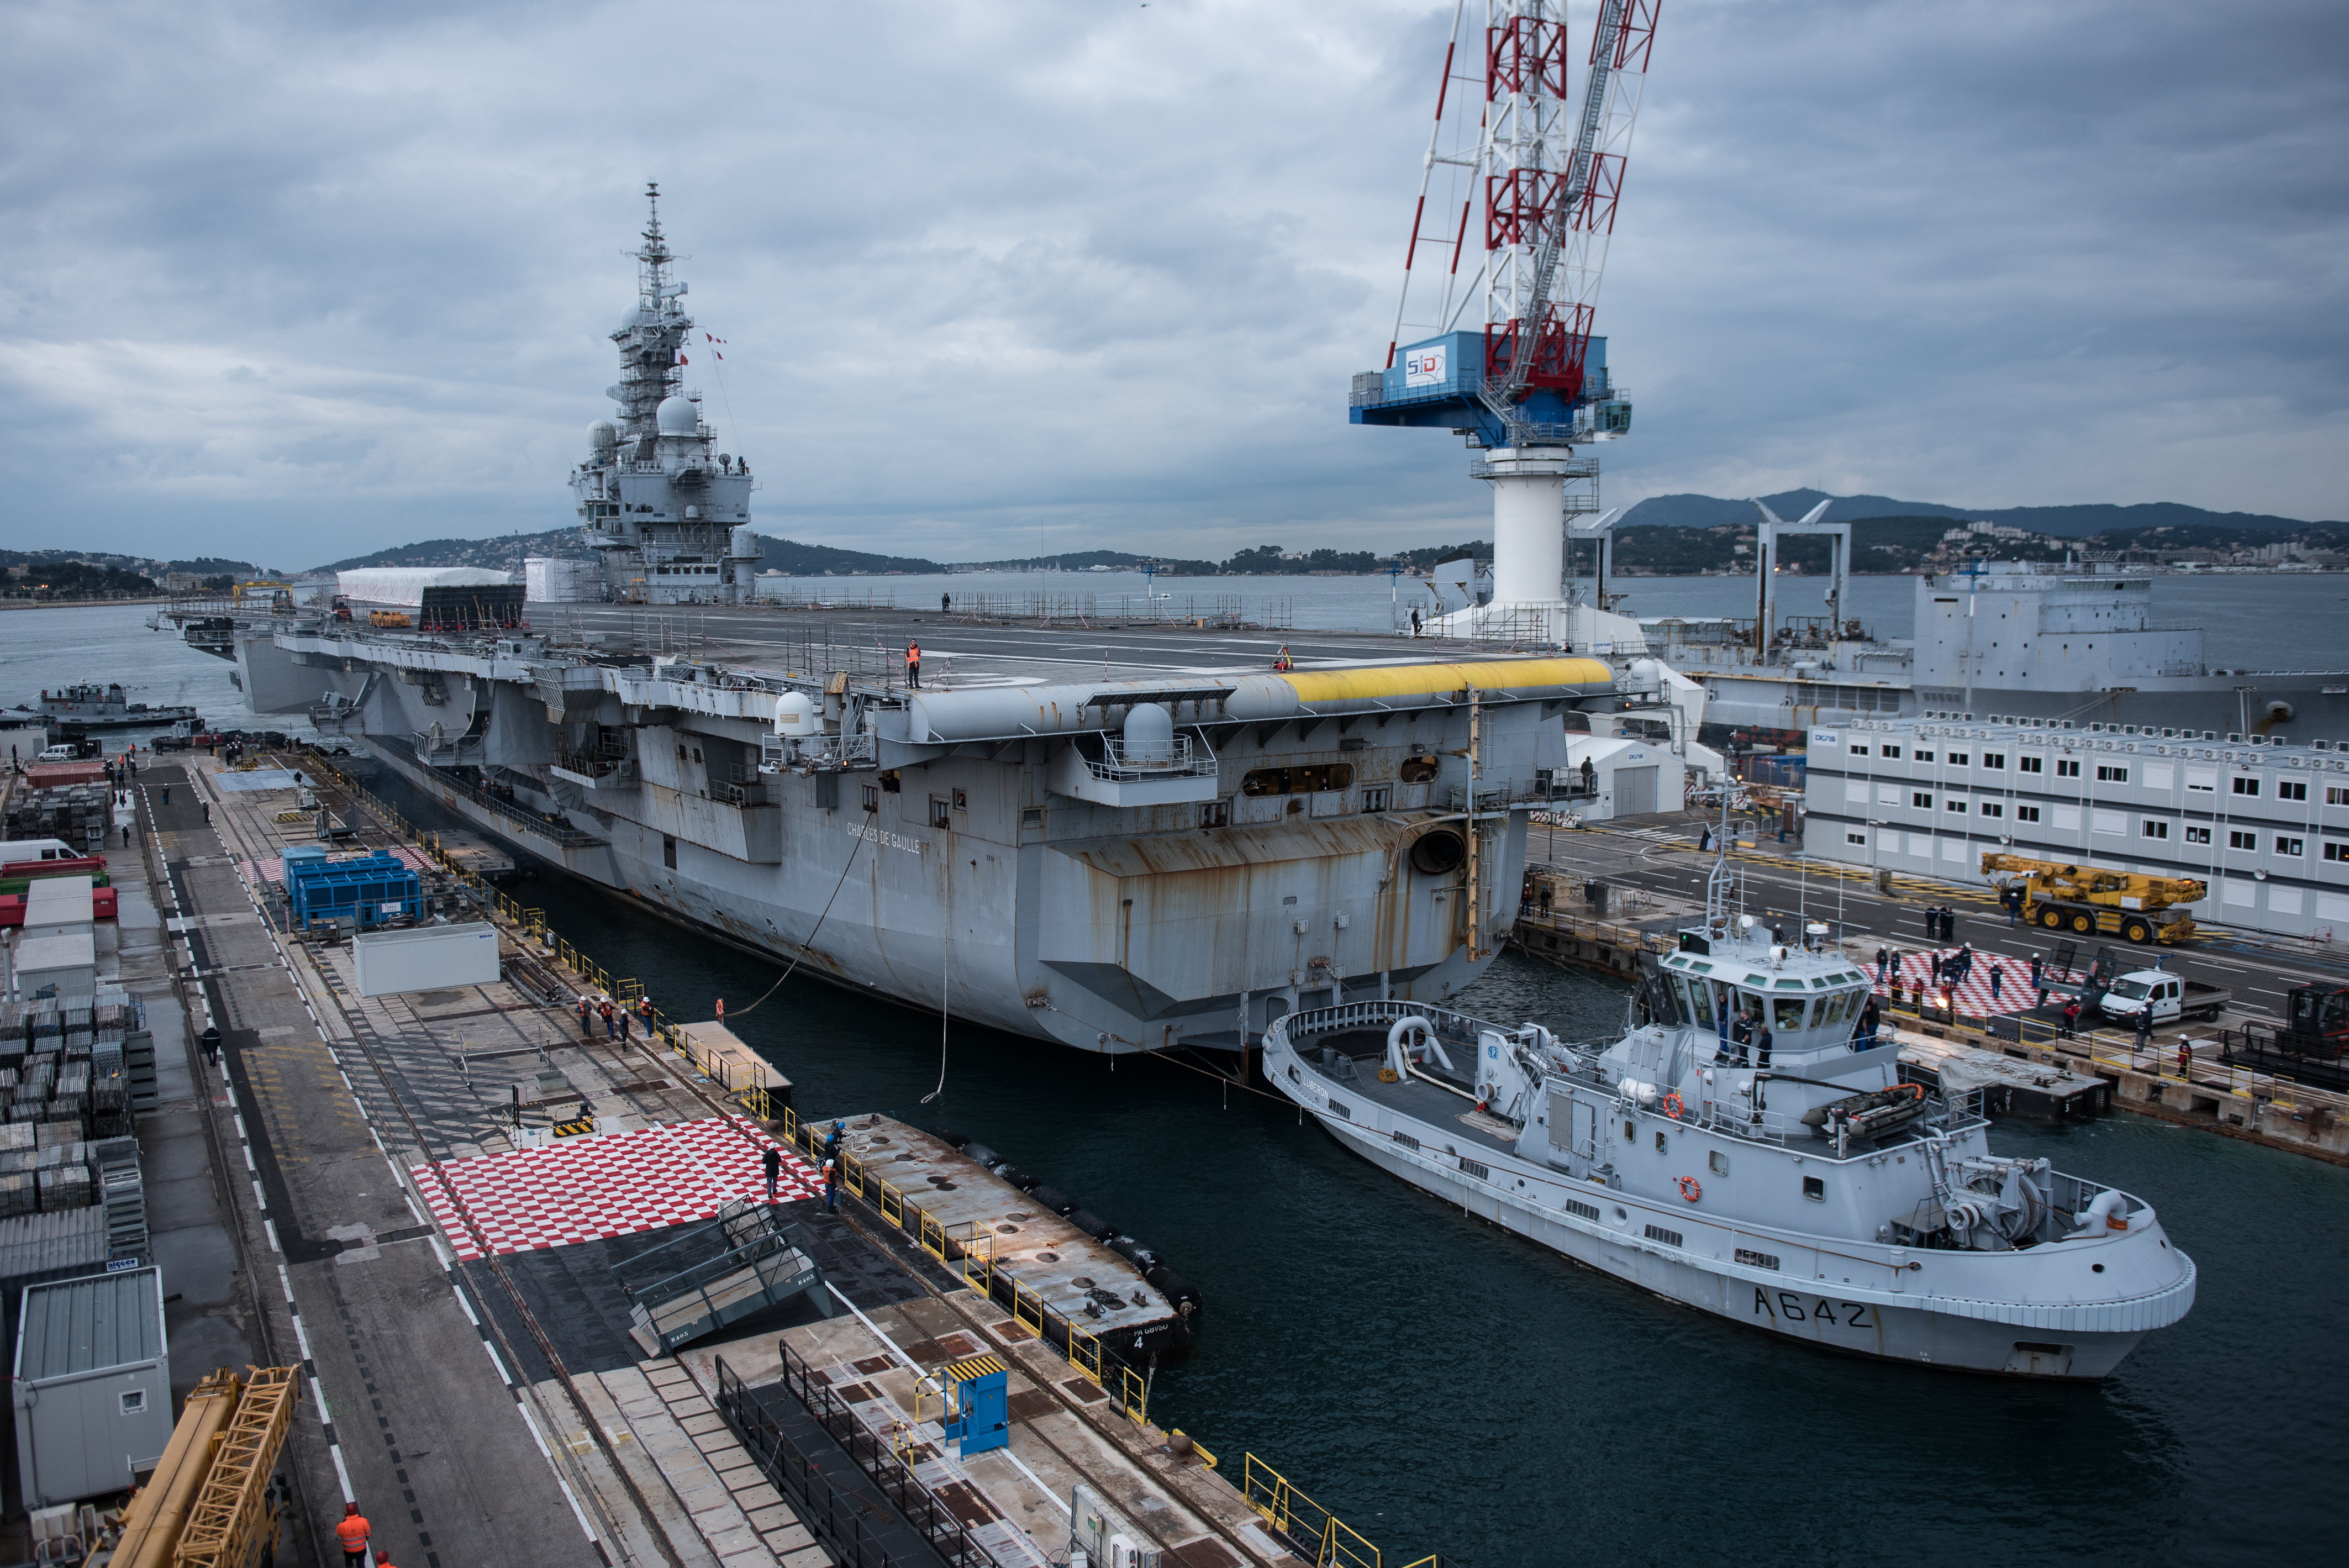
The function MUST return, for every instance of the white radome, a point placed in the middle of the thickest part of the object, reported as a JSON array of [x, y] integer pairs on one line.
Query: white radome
[[679, 417]]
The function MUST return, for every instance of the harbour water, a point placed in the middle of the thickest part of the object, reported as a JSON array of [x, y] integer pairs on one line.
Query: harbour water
[[1444, 1386]]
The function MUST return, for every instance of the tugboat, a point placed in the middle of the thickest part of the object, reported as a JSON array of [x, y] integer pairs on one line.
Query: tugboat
[[1748, 1148], [89, 706]]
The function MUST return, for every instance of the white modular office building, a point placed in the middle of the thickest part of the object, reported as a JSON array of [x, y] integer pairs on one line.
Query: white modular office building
[[2265, 826]]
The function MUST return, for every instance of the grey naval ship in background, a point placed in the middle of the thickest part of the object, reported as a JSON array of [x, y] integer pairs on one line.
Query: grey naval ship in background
[[1119, 839]]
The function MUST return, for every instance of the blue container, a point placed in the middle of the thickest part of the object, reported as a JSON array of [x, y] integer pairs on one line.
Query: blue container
[[372, 890]]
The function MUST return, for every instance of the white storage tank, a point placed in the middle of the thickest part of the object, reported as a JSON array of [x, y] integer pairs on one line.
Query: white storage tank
[[93, 1389]]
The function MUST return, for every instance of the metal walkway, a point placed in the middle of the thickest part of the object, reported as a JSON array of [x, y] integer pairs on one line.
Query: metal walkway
[[743, 1261]]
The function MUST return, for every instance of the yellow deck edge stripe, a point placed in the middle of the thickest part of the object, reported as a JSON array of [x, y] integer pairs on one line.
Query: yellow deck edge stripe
[[1424, 680]]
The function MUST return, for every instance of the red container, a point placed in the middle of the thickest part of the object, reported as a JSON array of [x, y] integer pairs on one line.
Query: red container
[[56, 775]]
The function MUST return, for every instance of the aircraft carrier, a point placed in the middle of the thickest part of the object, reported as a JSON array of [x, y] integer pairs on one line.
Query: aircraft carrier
[[1121, 839]]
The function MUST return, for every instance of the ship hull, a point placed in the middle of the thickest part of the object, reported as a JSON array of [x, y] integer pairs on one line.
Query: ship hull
[[1819, 1317], [981, 965]]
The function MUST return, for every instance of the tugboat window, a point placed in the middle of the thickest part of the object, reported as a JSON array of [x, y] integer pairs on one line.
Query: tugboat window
[[1418, 770], [1718, 1161], [1815, 1187], [1660, 1143], [1630, 1133], [668, 852]]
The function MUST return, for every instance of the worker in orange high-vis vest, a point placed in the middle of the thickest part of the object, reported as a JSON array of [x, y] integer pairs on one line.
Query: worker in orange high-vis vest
[[912, 663], [353, 1534]]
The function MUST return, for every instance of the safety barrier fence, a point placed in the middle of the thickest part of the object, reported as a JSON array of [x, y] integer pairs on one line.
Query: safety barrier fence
[[1316, 1535], [838, 1516], [971, 1255], [879, 1459]]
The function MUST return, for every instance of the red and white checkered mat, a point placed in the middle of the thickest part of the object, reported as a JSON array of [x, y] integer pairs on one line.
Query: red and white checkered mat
[[586, 1189], [2014, 992]]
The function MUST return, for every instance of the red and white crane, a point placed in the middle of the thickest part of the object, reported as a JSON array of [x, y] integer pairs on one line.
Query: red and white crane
[[1544, 163]]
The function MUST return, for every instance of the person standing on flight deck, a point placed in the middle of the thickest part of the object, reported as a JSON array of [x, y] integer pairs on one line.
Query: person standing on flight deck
[[913, 662], [773, 1162]]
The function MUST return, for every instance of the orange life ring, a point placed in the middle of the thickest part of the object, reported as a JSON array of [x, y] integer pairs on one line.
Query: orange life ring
[[1690, 1189], [1675, 1106]]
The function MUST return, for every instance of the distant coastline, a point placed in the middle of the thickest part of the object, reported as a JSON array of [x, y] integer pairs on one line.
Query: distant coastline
[[78, 604]]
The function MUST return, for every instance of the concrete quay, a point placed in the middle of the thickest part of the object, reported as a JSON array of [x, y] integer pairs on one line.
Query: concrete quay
[[445, 1277], [1654, 863]]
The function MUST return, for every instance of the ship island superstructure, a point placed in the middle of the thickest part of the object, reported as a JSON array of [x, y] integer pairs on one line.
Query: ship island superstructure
[[667, 515]]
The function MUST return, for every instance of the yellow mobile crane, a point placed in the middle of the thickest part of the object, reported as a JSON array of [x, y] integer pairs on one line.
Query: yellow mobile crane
[[211, 1502], [2095, 900]]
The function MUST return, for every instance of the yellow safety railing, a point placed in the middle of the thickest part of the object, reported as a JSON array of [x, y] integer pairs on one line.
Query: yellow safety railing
[[1334, 1543]]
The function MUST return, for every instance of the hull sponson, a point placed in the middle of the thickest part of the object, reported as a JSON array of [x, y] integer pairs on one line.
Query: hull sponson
[[990, 849]]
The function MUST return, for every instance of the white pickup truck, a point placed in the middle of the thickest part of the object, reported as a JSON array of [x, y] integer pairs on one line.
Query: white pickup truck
[[2171, 996]]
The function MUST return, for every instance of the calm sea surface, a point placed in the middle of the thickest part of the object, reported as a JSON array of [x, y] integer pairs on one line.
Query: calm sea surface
[[1444, 1386]]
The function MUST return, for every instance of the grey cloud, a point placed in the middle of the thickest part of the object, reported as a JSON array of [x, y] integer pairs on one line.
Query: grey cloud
[[290, 281]]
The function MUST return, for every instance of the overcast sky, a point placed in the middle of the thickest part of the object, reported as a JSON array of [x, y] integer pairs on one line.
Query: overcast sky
[[294, 281]]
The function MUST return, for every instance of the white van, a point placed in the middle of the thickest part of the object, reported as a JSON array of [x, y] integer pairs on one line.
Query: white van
[[63, 752], [17, 850]]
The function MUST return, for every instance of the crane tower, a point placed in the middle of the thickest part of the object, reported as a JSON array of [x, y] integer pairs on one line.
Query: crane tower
[[1493, 333]]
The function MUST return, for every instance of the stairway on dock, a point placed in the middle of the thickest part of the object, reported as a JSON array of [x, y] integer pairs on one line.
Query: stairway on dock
[[744, 1261]]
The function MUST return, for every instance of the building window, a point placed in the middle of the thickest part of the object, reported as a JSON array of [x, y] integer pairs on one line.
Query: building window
[[2066, 768], [941, 812], [2031, 764], [1856, 751], [2239, 839], [2292, 789], [2288, 846], [668, 852], [1993, 809], [2336, 852], [872, 797], [1993, 759], [134, 1401], [2201, 780], [2335, 795], [1924, 756], [2196, 835], [1957, 758], [1919, 799], [1953, 804], [1862, 839], [2247, 786], [2108, 773], [1374, 799], [2026, 813], [2153, 827], [1892, 752]]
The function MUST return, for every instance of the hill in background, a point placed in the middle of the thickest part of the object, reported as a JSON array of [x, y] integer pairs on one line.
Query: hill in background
[[2062, 521]]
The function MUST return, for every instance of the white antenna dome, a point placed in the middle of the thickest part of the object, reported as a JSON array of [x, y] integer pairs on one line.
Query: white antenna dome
[[679, 417]]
